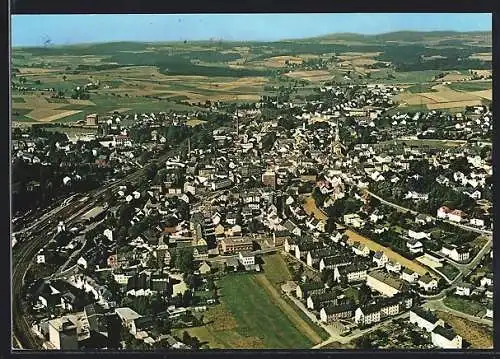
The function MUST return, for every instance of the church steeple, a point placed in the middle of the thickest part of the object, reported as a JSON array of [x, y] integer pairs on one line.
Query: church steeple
[[336, 146]]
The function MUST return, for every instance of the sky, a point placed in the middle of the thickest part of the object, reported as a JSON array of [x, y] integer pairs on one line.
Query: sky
[[34, 30]]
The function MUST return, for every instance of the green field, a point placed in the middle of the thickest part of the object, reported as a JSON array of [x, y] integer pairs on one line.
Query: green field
[[466, 306], [471, 86], [449, 271], [276, 269], [419, 88], [257, 315], [253, 315]]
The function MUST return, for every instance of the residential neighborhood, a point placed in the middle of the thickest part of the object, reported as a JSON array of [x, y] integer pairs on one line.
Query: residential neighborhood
[[340, 220]]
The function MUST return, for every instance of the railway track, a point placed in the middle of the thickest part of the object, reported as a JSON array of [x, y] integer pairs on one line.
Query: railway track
[[37, 238]]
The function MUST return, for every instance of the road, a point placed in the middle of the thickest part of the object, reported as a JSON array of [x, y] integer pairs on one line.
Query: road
[[439, 305], [358, 333], [38, 234], [404, 209], [257, 252], [334, 335]]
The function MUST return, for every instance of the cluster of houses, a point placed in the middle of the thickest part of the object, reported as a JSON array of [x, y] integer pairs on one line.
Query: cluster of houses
[[442, 336], [249, 181]]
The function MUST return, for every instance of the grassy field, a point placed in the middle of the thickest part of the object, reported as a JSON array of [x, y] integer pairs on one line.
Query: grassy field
[[466, 306], [479, 336], [471, 86], [449, 271], [250, 316], [276, 272], [276, 269], [352, 293], [421, 88]]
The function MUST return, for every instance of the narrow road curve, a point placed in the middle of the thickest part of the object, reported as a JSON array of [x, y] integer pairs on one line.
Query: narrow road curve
[[404, 209]]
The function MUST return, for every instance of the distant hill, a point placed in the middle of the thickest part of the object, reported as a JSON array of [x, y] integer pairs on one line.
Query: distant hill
[[404, 36]]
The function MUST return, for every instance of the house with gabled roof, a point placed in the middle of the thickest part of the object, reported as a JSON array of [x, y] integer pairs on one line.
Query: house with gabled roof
[[316, 301], [332, 262], [446, 338], [309, 288], [380, 259], [332, 313], [427, 283], [367, 314], [355, 272], [408, 275]]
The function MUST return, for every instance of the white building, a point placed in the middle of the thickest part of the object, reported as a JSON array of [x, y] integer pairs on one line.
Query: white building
[[427, 283], [446, 338], [424, 319], [246, 259], [367, 315], [409, 276]]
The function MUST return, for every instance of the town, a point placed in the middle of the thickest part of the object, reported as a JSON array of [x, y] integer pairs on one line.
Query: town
[[372, 230], [322, 193]]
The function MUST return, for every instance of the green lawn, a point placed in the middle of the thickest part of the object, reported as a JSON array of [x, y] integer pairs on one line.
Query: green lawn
[[421, 88], [18, 100], [471, 86], [276, 269], [257, 316], [449, 271], [466, 306], [352, 293]]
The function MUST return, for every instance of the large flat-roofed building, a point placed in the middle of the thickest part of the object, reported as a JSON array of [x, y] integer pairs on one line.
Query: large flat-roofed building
[[384, 283], [235, 244], [63, 334], [94, 214]]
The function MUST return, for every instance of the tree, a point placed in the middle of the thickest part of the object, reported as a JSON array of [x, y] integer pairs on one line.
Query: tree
[[330, 225], [184, 260], [211, 284], [364, 294]]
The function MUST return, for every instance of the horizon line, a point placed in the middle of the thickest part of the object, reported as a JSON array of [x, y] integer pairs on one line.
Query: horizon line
[[248, 41]]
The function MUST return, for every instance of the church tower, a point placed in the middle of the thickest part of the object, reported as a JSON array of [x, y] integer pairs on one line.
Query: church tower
[[336, 146]]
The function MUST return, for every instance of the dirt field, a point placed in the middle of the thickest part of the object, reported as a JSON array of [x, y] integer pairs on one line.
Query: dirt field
[[457, 76], [357, 55], [453, 104], [479, 336], [487, 94], [279, 61], [413, 265], [292, 315], [443, 97], [51, 115], [194, 122], [313, 75], [484, 56], [35, 70], [81, 102], [310, 207]]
